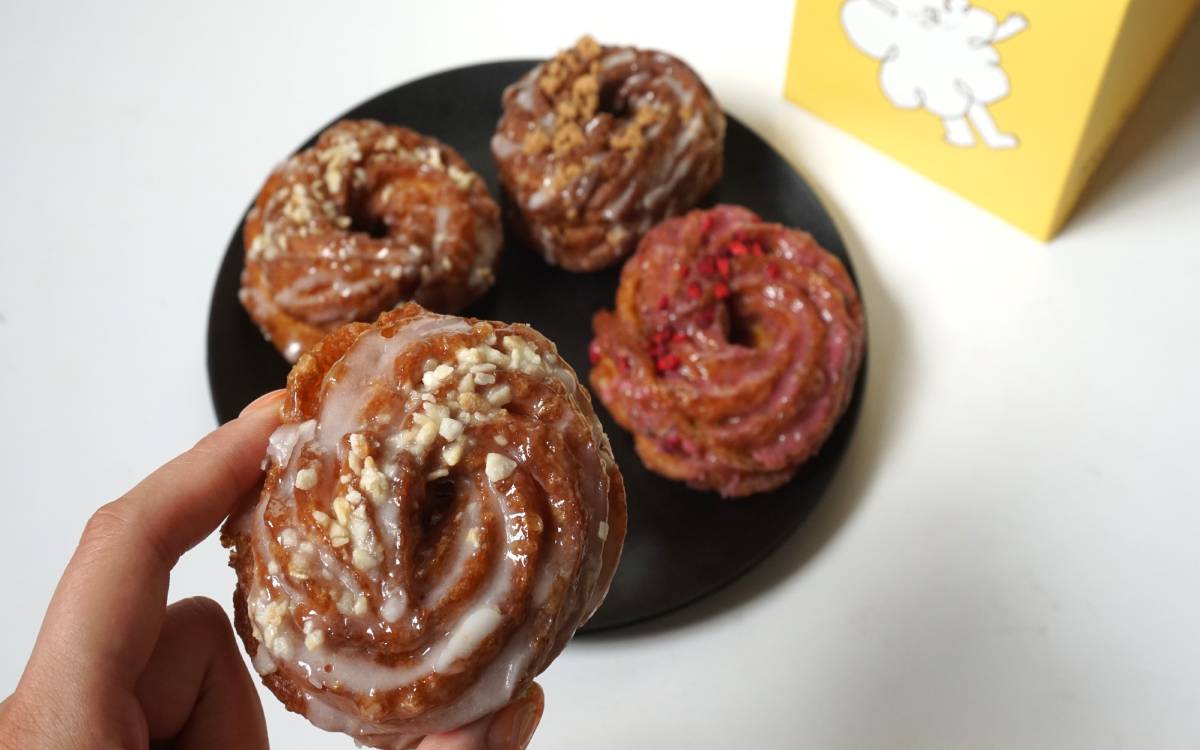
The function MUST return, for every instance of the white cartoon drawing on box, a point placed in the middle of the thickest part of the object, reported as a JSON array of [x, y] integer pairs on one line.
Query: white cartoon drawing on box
[[938, 55]]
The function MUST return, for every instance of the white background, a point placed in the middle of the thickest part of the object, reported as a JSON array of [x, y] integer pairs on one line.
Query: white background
[[1009, 558]]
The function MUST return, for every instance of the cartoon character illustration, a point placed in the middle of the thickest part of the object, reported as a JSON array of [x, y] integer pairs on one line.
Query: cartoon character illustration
[[938, 55]]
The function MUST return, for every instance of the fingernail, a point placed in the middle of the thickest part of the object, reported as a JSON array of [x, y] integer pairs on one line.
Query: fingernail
[[263, 401], [513, 726]]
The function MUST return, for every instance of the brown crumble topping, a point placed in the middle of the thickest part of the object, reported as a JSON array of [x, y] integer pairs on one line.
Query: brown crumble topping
[[588, 48], [565, 110], [535, 142], [585, 95], [566, 137], [630, 138], [568, 62], [565, 174]]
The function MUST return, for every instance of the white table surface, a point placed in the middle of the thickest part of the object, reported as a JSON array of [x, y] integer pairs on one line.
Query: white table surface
[[1008, 558]]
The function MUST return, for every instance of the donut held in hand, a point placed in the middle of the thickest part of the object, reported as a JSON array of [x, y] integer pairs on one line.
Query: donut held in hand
[[732, 352], [441, 512], [598, 144], [371, 216]]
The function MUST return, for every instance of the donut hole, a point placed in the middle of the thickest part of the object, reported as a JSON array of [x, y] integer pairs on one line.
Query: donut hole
[[741, 329], [439, 497], [365, 221], [612, 100], [434, 522]]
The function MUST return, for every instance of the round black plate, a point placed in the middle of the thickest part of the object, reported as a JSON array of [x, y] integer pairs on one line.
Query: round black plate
[[682, 544]]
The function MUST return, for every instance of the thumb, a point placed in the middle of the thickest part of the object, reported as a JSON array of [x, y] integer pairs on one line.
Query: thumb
[[510, 728]]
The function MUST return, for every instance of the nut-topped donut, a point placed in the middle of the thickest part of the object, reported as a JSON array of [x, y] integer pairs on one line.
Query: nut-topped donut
[[371, 216], [441, 512], [598, 144], [733, 350]]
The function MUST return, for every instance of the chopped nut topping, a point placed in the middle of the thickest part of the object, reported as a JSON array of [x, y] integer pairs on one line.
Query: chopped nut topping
[[450, 429], [566, 137], [500, 395], [469, 401], [374, 483], [468, 355], [565, 174], [341, 510], [435, 377], [522, 356], [339, 536], [588, 48], [296, 209], [298, 568], [362, 559], [315, 638], [585, 96], [498, 467], [467, 383], [553, 75], [425, 436], [566, 110], [306, 478], [452, 453], [462, 179], [628, 138], [535, 142]]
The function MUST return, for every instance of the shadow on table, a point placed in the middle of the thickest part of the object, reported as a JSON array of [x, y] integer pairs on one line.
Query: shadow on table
[[1169, 106], [887, 384]]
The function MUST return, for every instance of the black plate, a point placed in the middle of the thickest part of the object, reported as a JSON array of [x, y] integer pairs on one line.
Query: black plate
[[682, 545]]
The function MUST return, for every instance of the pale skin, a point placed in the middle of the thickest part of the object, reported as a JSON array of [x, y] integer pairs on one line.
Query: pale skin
[[115, 666]]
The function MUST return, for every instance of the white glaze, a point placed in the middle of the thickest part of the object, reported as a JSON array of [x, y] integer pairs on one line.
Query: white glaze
[[365, 366], [466, 637], [503, 147], [619, 57]]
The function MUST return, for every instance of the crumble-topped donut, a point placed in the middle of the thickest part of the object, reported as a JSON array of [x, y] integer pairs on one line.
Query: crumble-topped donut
[[371, 216], [732, 352], [441, 512], [598, 144]]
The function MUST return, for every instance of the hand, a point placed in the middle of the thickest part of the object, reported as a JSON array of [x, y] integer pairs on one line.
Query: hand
[[115, 667]]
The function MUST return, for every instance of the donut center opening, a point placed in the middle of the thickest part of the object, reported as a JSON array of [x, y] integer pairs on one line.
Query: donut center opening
[[742, 330], [613, 101], [439, 496], [436, 512], [365, 221]]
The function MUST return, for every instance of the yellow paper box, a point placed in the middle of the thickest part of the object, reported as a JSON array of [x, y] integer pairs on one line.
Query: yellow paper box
[[1010, 103]]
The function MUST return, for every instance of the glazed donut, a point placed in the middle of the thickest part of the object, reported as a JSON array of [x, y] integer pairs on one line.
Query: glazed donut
[[371, 216], [600, 143], [732, 352], [441, 512]]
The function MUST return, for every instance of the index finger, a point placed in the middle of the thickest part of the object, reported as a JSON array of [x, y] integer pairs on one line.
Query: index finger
[[107, 609]]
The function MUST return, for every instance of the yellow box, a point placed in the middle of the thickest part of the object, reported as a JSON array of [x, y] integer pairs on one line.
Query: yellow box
[[1010, 103]]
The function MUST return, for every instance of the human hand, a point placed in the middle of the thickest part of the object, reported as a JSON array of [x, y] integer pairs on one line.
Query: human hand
[[115, 667]]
